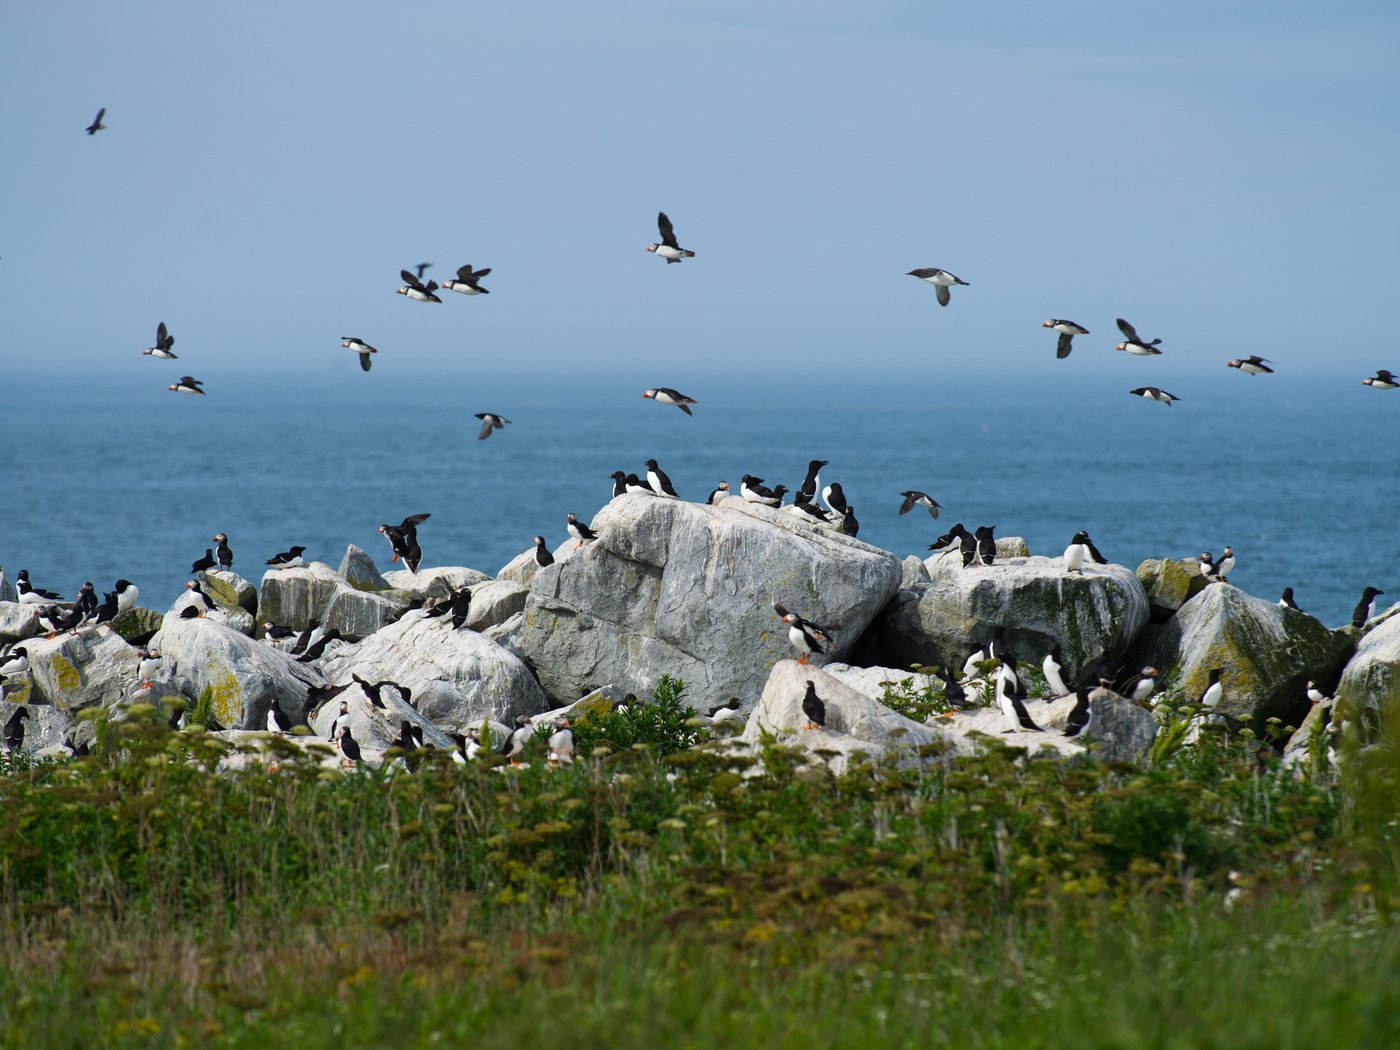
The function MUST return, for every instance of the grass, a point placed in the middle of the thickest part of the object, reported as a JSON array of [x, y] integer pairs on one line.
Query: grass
[[650, 898]]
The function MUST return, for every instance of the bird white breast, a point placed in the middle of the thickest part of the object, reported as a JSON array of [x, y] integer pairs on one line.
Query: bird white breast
[[31, 598], [725, 714], [461, 286], [1074, 557], [1212, 695], [160, 353], [127, 599], [414, 293], [798, 637], [668, 253], [1137, 348], [1253, 369]]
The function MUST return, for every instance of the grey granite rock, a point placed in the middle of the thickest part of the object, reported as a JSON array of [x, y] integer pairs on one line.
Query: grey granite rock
[[231, 590], [74, 671], [293, 597], [358, 570], [137, 625], [494, 602], [1371, 682], [437, 582], [18, 621], [1170, 583], [7, 589], [359, 613], [45, 727]]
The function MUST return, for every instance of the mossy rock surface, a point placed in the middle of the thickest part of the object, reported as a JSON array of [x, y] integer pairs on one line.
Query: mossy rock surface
[[1371, 680], [1170, 583], [74, 671], [137, 625], [231, 590], [293, 597], [358, 570]]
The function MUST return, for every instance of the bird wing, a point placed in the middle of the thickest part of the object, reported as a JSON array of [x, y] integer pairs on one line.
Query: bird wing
[[162, 335], [1063, 348], [910, 499], [479, 274], [364, 362], [943, 296], [464, 273], [1128, 330], [924, 272], [100, 114], [414, 520], [668, 232], [410, 280], [430, 287], [486, 427]]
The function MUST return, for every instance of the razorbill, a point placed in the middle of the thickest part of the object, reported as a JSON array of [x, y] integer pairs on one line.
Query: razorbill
[[14, 728], [1080, 715], [1253, 365], [668, 249], [403, 540], [127, 593], [31, 595], [811, 484], [810, 509], [1211, 695], [1135, 344], [1153, 393], [941, 280], [635, 486], [1051, 667], [666, 396], [1286, 600], [753, 490], [579, 531], [835, 498], [187, 385], [489, 422], [725, 712], [16, 661], [1365, 607], [417, 290], [288, 559], [1382, 380], [914, 498], [97, 125], [205, 563], [358, 346], [660, 483], [318, 647], [1068, 330], [1012, 709], [986, 545], [1081, 549], [619, 479], [467, 281], [164, 341], [849, 525]]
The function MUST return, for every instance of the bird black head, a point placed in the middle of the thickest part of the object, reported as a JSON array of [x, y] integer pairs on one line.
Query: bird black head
[[651, 464], [618, 475]]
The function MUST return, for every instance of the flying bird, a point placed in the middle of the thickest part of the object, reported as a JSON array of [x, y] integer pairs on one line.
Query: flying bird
[[403, 540], [467, 281], [1135, 344], [1382, 380], [489, 422], [941, 280], [666, 396], [417, 290], [359, 346], [1152, 393], [164, 341], [1068, 330], [1253, 365], [97, 125], [914, 498], [420, 268], [187, 385], [668, 249]]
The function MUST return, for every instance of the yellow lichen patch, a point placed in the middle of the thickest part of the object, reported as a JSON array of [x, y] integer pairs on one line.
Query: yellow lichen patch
[[227, 699], [68, 676]]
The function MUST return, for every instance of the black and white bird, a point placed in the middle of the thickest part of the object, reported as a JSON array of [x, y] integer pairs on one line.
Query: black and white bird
[[986, 545], [31, 595], [288, 559], [187, 385], [1314, 694], [127, 594], [107, 610], [561, 743], [1382, 380], [316, 648], [1211, 695], [421, 268], [223, 553], [1365, 607], [813, 708], [1080, 550], [635, 486], [1080, 715], [52, 618], [725, 712], [1068, 330], [664, 395], [490, 421], [849, 525], [164, 341], [578, 530], [516, 743], [1153, 393], [148, 665], [1013, 709], [965, 541], [403, 540], [1253, 365], [87, 600], [1051, 668], [660, 483], [721, 491], [1140, 688], [15, 662], [1206, 561], [543, 556], [914, 498], [1133, 343], [941, 280], [202, 603], [374, 692], [468, 281], [801, 504], [1286, 600], [811, 483], [348, 746], [619, 480], [753, 490], [14, 729], [342, 718], [807, 637], [278, 721], [357, 345], [460, 607], [205, 563], [417, 290], [310, 634], [835, 499], [1224, 565], [97, 125], [668, 249]]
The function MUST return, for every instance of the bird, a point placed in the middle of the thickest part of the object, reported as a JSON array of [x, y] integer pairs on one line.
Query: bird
[[1382, 380], [1253, 365], [417, 290], [316, 648], [516, 742], [835, 498], [422, 267], [278, 720], [811, 484], [490, 421], [914, 498], [1153, 393], [348, 746], [967, 543], [14, 728], [1210, 696], [753, 490], [1068, 330], [561, 743], [1140, 688], [1225, 564], [1012, 709], [1080, 550], [659, 481], [223, 553], [986, 545], [725, 712], [721, 490], [87, 599], [204, 563], [51, 618], [16, 661], [403, 540], [1286, 600], [666, 396], [148, 665], [288, 559], [107, 611], [1080, 715], [201, 604], [1051, 668], [31, 595], [97, 125], [1135, 344], [187, 385], [1364, 607], [810, 509], [342, 718], [164, 341], [635, 486], [619, 480], [466, 281], [813, 708], [849, 525], [374, 691], [1314, 694], [127, 594], [460, 606], [1206, 561], [941, 280], [543, 556], [578, 530], [357, 345], [668, 249], [806, 636]]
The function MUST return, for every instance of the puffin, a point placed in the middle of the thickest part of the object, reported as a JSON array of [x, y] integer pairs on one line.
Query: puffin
[[516, 742], [1252, 365], [953, 692], [1080, 715], [148, 665], [666, 396], [200, 605], [51, 618], [1051, 668], [490, 421], [668, 249], [164, 341], [467, 281], [316, 648], [87, 600], [14, 728], [288, 559], [941, 280], [348, 747], [31, 595], [342, 718], [97, 125], [805, 635], [1365, 607], [1068, 330], [543, 556], [578, 530], [561, 743], [403, 540], [1210, 697], [1224, 565], [417, 290], [1286, 600], [1153, 393], [725, 712], [1382, 380], [421, 268], [721, 490], [914, 498], [811, 484], [658, 480], [1135, 344], [187, 385], [813, 708], [277, 720], [223, 553], [1206, 561], [205, 563], [127, 593], [1314, 694], [358, 346], [619, 480], [1140, 688]]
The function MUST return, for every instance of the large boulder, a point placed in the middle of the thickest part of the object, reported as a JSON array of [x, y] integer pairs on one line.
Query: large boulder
[[18, 621], [7, 589], [45, 727], [74, 671], [373, 727], [359, 613], [1267, 654], [358, 570], [424, 654], [1170, 583], [1091, 615], [1370, 685], [687, 589], [437, 582], [293, 597], [231, 590], [494, 602], [138, 625], [522, 568], [244, 677]]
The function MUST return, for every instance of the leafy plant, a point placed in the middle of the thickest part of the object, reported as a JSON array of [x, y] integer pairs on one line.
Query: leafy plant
[[664, 725]]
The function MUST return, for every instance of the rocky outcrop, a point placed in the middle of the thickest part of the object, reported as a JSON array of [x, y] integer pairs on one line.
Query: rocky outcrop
[[687, 590], [7, 589], [294, 597], [74, 671], [138, 625], [494, 602], [358, 570], [521, 569], [231, 590], [359, 613], [1370, 684], [1170, 583], [438, 582], [44, 727], [18, 621], [373, 727]]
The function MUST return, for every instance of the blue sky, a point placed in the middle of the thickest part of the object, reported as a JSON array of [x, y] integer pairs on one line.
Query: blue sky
[[1221, 174]]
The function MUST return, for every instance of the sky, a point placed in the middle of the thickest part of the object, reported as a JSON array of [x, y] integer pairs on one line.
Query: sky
[[1223, 175]]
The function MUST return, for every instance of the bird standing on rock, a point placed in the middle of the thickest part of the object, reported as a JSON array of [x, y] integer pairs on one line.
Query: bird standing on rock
[[805, 635], [813, 708], [1365, 607], [579, 531], [223, 553], [543, 556], [288, 559], [1081, 714], [658, 480]]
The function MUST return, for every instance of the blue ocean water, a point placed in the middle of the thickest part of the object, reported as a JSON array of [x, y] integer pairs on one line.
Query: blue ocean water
[[113, 476]]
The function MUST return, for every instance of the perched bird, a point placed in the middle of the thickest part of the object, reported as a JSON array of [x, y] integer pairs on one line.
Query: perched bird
[[278, 721], [811, 484], [941, 280], [619, 479], [467, 281], [460, 606], [914, 498], [835, 498], [31, 595], [635, 486], [1210, 697], [223, 553], [806, 636], [318, 647], [87, 600], [420, 268], [1225, 564], [542, 555], [753, 490], [668, 249], [664, 395], [579, 531], [725, 712], [986, 545], [1253, 365], [561, 743], [403, 540], [1080, 550], [288, 559], [721, 490], [1286, 600], [127, 594], [515, 743], [205, 563], [14, 729], [1365, 607], [202, 602], [489, 422], [348, 747], [967, 543], [107, 611], [1315, 695], [187, 385], [849, 525], [813, 708], [16, 661], [1382, 380], [1051, 668], [1135, 344], [1206, 561], [1080, 715], [164, 341], [1068, 330], [358, 346], [147, 667], [1013, 709], [342, 718], [1152, 393], [659, 481], [52, 619], [97, 125], [409, 742], [417, 290], [800, 503], [1140, 688]]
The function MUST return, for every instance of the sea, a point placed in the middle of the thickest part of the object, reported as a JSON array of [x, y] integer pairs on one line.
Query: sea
[[112, 476]]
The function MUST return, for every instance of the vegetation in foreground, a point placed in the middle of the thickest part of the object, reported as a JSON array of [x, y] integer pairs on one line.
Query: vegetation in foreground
[[648, 898]]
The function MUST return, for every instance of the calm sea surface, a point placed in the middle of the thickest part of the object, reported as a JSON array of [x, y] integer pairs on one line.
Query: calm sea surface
[[117, 477]]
